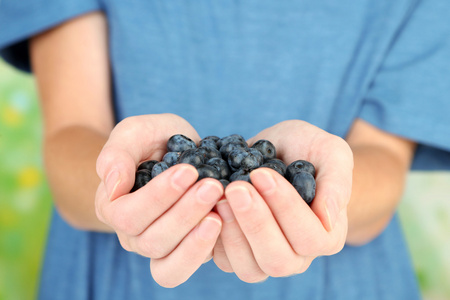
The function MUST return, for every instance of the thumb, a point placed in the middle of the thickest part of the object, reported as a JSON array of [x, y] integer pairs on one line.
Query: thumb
[[116, 168]]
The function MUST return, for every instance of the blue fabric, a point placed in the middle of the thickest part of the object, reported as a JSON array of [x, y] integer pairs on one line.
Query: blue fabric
[[239, 67]]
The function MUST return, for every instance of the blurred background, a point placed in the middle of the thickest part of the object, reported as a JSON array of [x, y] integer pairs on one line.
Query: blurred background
[[25, 202]]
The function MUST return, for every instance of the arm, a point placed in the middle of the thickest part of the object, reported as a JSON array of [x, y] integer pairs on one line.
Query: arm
[[381, 164], [170, 220], [70, 63]]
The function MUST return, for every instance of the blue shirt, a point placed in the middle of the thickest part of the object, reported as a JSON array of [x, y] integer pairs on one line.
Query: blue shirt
[[242, 66]]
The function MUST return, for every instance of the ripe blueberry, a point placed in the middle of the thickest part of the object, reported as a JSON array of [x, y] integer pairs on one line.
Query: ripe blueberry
[[142, 177], [266, 148], [171, 158], [179, 142], [147, 165], [305, 185], [221, 166], [159, 168], [207, 171], [191, 156], [300, 165], [241, 174]]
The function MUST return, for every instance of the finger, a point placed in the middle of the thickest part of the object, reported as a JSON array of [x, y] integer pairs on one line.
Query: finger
[[237, 248], [133, 140], [166, 232], [220, 257], [133, 213], [177, 267], [256, 221], [333, 181], [299, 224]]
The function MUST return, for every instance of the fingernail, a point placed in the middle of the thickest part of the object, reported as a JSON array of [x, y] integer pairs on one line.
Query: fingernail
[[209, 229], [224, 210], [209, 191], [265, 181], [332, 212], [111, 182], [242, 195], [184, 177]]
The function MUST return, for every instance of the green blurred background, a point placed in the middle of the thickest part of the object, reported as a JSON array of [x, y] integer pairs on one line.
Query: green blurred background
[[25, 202]]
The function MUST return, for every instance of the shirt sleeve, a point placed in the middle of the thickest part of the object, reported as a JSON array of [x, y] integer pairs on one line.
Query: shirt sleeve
[[19, 20], [410, 95]]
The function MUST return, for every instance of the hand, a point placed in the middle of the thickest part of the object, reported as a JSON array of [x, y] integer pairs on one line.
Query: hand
[[170, 218], [268, 230]]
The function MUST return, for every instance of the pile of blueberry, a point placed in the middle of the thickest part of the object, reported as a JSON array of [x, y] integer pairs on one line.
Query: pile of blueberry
[[228, 159]]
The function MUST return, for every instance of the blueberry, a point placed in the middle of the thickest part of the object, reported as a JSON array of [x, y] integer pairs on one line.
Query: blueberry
[[274, 166], [209, 142], [305, 185], [253, 160], [192, 157], [241, 175], [233, 138], [209, 152], [227, 148], [171, 158], [299, 165], [159, 168], [179, 143], [221, 166], [207, 171], [247, 159], [266, 148], [236, 157], [278, 163], [147, 165], [224, 183], [142, 177]]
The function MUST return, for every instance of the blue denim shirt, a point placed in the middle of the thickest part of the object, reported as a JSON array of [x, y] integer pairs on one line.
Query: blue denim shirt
[[239, 67]]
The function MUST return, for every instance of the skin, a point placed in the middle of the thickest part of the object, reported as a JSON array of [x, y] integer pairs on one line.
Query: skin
[[359, 179]]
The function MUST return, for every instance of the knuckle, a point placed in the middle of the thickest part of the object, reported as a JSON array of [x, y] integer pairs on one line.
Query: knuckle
[[311, 246], [252, 277], [122, 222], [150, 247], [254, 227], [278, 268]]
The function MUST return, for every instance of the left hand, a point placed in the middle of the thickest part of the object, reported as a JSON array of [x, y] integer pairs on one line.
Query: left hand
[[268, 230]]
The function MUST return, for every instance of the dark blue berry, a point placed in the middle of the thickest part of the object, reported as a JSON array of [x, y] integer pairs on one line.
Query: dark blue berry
[[298, 166], [208, 142], [247, 159], [192, 157], [266, 148], [159, 168], [227, 148], [224, 183], [274, 166], [147, 165], [278, 163], [171, 158], [207, 171], [305, 185], [236, 157], [142, 177], [221, 166], [179, 143], [241, 174], [209, 152], [233, 138]]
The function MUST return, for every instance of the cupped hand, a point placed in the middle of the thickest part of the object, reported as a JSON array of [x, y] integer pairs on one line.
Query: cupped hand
[[168, 220], [268, 230]]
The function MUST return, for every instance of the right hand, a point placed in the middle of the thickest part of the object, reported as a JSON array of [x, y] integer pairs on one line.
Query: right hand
[[168, 220]]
